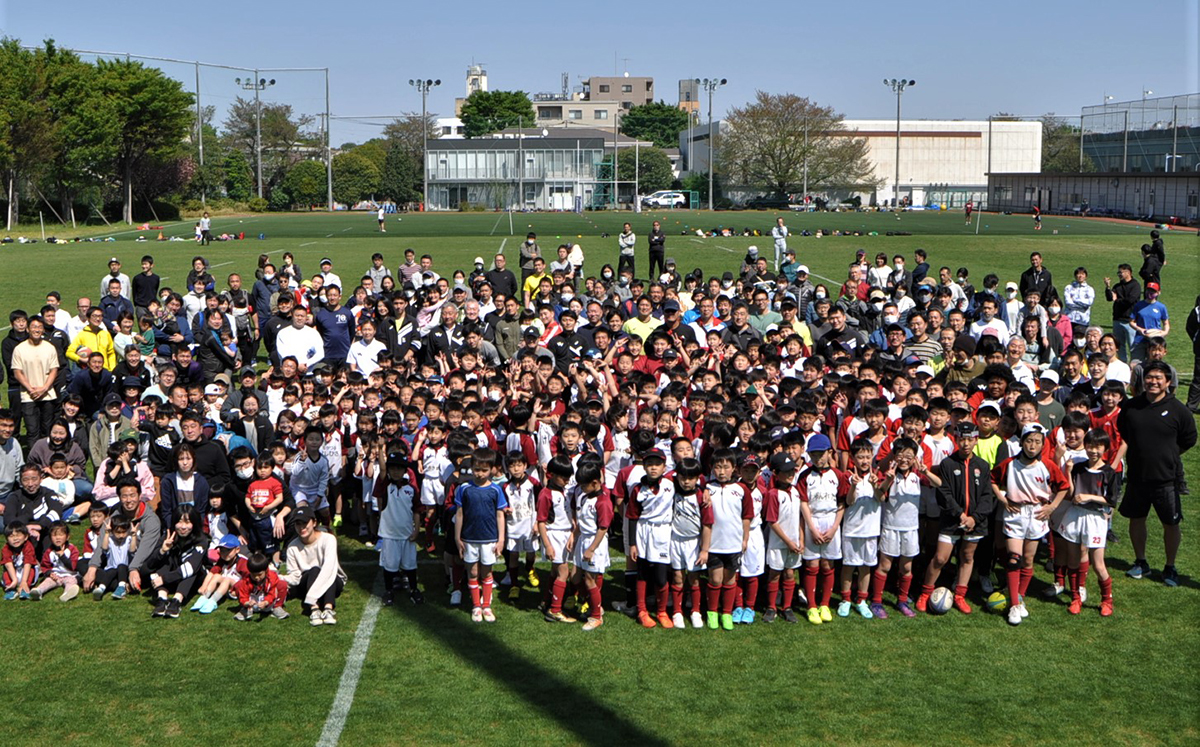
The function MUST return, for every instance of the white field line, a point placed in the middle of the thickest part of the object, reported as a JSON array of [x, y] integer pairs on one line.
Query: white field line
[[344, 699]]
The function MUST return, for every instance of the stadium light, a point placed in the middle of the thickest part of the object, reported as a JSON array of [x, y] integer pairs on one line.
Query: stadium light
[[424, 86], [710, 85], [898, 86], [257, 84]]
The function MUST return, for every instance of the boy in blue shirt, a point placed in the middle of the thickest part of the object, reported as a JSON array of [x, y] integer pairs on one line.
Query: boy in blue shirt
[[479, 531]]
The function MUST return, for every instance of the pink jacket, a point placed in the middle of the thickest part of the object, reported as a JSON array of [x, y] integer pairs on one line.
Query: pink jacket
[[107, 494]]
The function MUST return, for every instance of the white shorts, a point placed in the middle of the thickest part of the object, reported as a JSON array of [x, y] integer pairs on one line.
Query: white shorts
[[654, 542], [685, 553], [1085, 527], [831, 550], [753, 559], [954, 539], [397, 555], [433, 493], [483, 553], [900, 543], [521, 543], [860, 551], [600, 559], [781, 558], [1024, 525], [558, 543]]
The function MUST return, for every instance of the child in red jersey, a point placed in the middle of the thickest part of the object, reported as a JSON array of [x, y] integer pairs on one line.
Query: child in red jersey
[[555, 528], [822, 489], [593, 516], [860, 534], [691, 532], [59, 563], [20, 562], [785, 542], [651, 502], [1030, 489], [1094, 494], [260, 591], [263, 498], [900, 491]]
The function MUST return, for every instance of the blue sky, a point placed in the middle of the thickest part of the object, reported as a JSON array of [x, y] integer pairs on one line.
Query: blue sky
[[969, 59]]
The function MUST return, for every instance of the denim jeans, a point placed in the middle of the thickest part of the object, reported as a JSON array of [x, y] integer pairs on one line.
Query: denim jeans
[[1124, 333]]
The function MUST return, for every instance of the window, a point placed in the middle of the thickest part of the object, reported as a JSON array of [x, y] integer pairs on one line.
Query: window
[[1192, 201], [549, 112], [1029, 194], [1002, 194], [603, 88], [1075, 199], [600, 114], [627, 88], [575, 114]]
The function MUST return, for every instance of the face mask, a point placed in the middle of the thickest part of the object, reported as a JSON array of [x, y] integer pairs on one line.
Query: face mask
[[566, 297], [624, 280], [877, 306], [901, 293], [820, 294], [530, 242], [268, 278], [962, 281], [495, 395], [1011, 294], [607, 276], [925, 296], [899, 267], [1054, 310], [1080, 342], [891, 319], [245, 474]]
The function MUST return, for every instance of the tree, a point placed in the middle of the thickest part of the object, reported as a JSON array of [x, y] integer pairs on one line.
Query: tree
[[653, 168], [485, 112], [239, 179], [152, 113], [658, 122], [305, 183], [355, 178], [375, 150], [401, 177], [27, 128], [285, 137], [1060, 148], [409, 133], [773, 138]]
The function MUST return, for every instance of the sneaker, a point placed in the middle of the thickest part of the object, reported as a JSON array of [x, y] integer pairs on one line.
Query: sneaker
[[583, 608], [1052, 591], [337, 520], [534, 581], [330, 617], [727, 621], [69, 593], [1075, 607], [985, 584], [905, 609], [737, 615], [477, 615], [279, 613], [1170, 576], [814, 615], [714, 620], [243, 614], [119, 592], [416, 597], [557, 617], [35, 595], [769, 615], [747, 616], [664, 621], [790, 616], [593, 623], [316, 618], [1023, 609], [1014, 615], [97, 593], [488, 615], [646, 620], [514, 593], [209, 607], [801, 599], [677, 621], [698, 620], [843, 609], [1138, 569], [922, 603], [865, 610], [960, 604], [619, 606], [878, 611], [1106, 608], [11, 595], [826, 615], [455, 598], [160, 608], [389, 597], [1113, 537], [173, 606], [196, 605]]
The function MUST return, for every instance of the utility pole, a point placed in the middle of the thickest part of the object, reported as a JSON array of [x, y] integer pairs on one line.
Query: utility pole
[[711, 85], [423, 86], [199, 135], [328, 148], [898, 86], [257, 84]]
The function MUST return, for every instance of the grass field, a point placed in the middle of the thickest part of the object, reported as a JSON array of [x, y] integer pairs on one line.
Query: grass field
[[80, 673]]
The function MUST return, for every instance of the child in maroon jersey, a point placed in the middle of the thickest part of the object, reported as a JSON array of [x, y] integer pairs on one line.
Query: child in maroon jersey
[[59, 563]]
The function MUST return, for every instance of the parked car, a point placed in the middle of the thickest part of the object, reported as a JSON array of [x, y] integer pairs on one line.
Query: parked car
[[768, 203], [665, 199]]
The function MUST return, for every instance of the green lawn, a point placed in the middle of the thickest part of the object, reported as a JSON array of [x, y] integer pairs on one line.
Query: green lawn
[[87, 670]]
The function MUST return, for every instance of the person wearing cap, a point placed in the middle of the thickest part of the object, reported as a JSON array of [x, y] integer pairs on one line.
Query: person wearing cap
[[314, 573], [114, 273], [1050, 410], [107, 428], [328, 275], [965, 500], [649, 510], [120, 464], [1148, 318], [782, 514]]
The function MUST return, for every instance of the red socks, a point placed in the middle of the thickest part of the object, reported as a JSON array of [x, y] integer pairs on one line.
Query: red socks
[[877, 581], [1060, 575], [826, 586], [1106, 588], [488, 586], [1014, 587], [960, 592], [905, 585], [789, 592], [728, 593], [1084, 567], [641, 595], [677, 597], [662, 599], [1026, 577], [714, 597], [597, 610], [557, 592], [773, 593], [474, 587], [846, 594], [810, 585]]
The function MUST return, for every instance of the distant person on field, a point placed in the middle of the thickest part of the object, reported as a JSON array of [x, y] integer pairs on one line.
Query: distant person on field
[[780, 234], [381, 216], [205, 229]]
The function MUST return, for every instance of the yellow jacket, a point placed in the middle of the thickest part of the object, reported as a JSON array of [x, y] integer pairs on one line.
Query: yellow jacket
[[99, 342]]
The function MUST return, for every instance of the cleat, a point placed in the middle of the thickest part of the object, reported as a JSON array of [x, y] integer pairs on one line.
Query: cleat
[[790, 616], [1083, 593], [664, 621], [1170, 576], [878, 611], [583, 608], [534, 581], [514, 593], [646, 621], [698, 620], [748, 616], [477, 615], [960, 604], [35, 595], [242, 615], [12, 594], [814, 616], [826, 615], [727, 621], [557, 617], [416, 597], [1075, 607], [315, 618], [714, 620], [389, 598], [769, 615], [737, 615], [593, 623], [488, 615], [801, 599], [905, 609], [337, 521], [196, 605], [209, 607], [455, 598], [279, 613], [864, 610], [843, 609], [98, 593], [677, 621], [1106, 608], [1014, 615], [922, 603], [1024, 610], [1052, 591], [70, 593]]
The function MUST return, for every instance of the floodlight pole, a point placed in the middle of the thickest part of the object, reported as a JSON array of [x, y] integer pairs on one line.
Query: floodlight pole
[[328, 149], [199, 132], [898, 86], [711, 85], [423, 86], [258, 84]]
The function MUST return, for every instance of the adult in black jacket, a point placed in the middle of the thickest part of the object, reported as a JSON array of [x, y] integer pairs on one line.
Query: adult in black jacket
[[17, 335], [658, 251], [33, 505], [270, 329], [177, 565], [966, 501], [568, 345], [1037, 278], [502, 279], [1123, 296], [1193, 330], [239, 485], [211, 460], [1158, 429], [213, 356], [91, 385]]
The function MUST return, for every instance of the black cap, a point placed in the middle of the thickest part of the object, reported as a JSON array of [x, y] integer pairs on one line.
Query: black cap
[[781, 462], [966, 429], [654, 455], [303, 514]]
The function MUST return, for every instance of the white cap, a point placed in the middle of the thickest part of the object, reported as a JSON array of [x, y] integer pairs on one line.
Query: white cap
[[926, 369], [1050, 375], [752, 250], [1010, 285], [479, 260], [212, 389], [802, 270]]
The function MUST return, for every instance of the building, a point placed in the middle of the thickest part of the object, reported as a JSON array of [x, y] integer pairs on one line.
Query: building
[[629, 91], [1169, 198], [597, 103], [689, 95], [526, 169], [1144, 135], [477, 80], [941, 161], [449, 127]]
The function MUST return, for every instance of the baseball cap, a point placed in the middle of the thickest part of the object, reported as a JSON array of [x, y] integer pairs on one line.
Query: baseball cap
[[750, 460], [782, 463], [479, 260], [670, 305], [727, 276], [802, 270], [131, 382], [229, 542], [129, 434], [966, 429], [212, 389], [326, 261], [654, 455], [1152, 286], [247, 372], [988, 405], [112, 399], [670, 261], [1010, 285], [114, 260], [960, 406], [1049, 375], [752, 251], [911, 360], [222, 378], [877, 295], [593, 353], [925, 369], [790, 251], [303, 514], [531, 331], [819, 442], [1032, 428]]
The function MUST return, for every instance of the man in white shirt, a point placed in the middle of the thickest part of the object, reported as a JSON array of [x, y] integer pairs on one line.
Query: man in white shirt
[[73, 325], [114, 273], [381, 216], [300, 341], [205, 230], [780, 234], [331, 277], [987, 321]]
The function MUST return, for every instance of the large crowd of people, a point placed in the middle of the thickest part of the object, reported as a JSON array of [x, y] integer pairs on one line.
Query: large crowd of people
[[899, 434]]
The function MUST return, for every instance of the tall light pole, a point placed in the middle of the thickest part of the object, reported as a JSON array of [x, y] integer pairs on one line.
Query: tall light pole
[[257, 84], [423, 86], [711, 85], [898, 86]]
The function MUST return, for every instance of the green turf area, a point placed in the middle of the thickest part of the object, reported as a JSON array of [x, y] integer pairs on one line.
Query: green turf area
[[431, 676]]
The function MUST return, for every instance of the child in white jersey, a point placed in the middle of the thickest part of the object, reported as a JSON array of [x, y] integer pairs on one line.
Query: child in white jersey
[[731, 508], [860, 530], [900, 492], [521, 534], [823, 491], [593, 515], [398, 528], [691, 532]]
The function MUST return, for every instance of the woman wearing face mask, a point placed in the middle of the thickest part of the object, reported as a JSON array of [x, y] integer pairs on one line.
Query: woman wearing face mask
[[900, 278], [183, 487], [1061, 322], [820, 293]]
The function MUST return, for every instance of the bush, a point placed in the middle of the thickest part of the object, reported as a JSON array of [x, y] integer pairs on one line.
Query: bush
[[279, 202], [257, 205]]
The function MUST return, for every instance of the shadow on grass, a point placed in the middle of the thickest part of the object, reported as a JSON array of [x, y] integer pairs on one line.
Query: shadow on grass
[[544, 690]]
